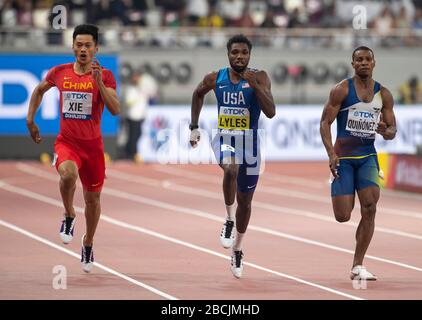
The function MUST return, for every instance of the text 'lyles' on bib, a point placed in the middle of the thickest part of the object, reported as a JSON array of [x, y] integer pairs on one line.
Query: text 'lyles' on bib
[[362, 121], [232, 118], [77, 105]]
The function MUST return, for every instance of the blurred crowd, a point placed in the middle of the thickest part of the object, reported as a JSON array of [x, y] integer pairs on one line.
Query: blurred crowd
[[382, 15], [194, 23]]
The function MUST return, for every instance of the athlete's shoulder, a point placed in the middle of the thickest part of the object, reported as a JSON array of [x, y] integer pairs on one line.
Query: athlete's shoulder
[[108, 74], [64, 67], [57, 71], [214, 73], [340, 91], [386, 94], [211, 77], [342, 87], [108, 71], [383, 88]]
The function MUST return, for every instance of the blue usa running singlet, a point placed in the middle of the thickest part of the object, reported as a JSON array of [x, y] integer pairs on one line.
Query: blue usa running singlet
[[238, 109], [356, 124]]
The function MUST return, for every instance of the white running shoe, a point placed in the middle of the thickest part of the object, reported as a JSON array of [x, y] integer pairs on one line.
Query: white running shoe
[[87, 257], [66, 229], [237, 263], [360, 273], [227, 234]]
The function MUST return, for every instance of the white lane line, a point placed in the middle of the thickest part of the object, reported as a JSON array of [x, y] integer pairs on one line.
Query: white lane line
[[207, 178], [73, 254], [210, 216], [302, 182], [205, 250], [167, 184], [120, 223]]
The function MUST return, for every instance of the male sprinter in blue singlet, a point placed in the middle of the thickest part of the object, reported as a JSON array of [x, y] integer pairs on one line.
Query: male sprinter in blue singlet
[[241, 94], [362, 108]]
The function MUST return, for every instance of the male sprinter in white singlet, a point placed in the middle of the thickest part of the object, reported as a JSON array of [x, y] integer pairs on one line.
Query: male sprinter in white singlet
[[362, 108]]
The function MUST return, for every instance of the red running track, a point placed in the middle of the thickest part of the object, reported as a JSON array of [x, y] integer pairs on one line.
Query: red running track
[[158, 237]]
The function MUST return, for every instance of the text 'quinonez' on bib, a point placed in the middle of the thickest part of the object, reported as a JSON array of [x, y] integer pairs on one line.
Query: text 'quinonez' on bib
[[77, 105], [363, 121]]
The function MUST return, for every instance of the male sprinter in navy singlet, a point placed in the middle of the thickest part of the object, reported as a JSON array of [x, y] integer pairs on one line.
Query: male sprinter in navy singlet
[[362, 108], [242, 93]]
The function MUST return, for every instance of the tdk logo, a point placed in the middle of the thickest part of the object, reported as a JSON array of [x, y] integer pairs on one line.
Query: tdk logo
[[77, 95], [363, 114], [235, 111]]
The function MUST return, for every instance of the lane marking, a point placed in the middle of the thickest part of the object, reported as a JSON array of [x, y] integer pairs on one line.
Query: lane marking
[[210, 216], [167, 184], [120, 223], [280, 191], [73, 254]]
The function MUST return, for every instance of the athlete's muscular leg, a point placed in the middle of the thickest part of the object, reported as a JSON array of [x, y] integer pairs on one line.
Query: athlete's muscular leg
[[68, 171], [230, 179], [243, 212], [343, 206], [92, 214], [368, 198]]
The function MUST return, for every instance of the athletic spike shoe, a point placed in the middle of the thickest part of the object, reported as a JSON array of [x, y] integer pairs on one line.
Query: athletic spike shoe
[[360, 273], [66, 229], [227, 234], [87, 257], [237, 263]]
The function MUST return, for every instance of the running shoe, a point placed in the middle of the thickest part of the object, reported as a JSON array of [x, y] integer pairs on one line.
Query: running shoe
[[360, 273], [66, 229], [87, 257], [227, 234], [237, 263]]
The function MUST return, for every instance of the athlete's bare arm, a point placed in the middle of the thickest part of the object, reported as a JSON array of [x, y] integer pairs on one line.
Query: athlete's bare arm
[[387, 125], [108, 95], [261, 84], [205, 86], [34, 104], [110, 99], [329, 114]]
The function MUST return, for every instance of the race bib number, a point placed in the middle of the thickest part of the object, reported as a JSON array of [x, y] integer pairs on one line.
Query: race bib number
[[233, 118], [77, 105], [362, 123]]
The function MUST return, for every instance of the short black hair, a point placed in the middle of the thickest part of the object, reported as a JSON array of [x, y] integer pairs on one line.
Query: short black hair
[[86, 29], [239, 38], [362, 48]]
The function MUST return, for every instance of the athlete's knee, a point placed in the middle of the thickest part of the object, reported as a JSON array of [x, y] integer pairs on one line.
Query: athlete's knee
[[244, 205], [368, 211], [230, 171], [343, 210], [342, 216], [93, 199], [68, 176]]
